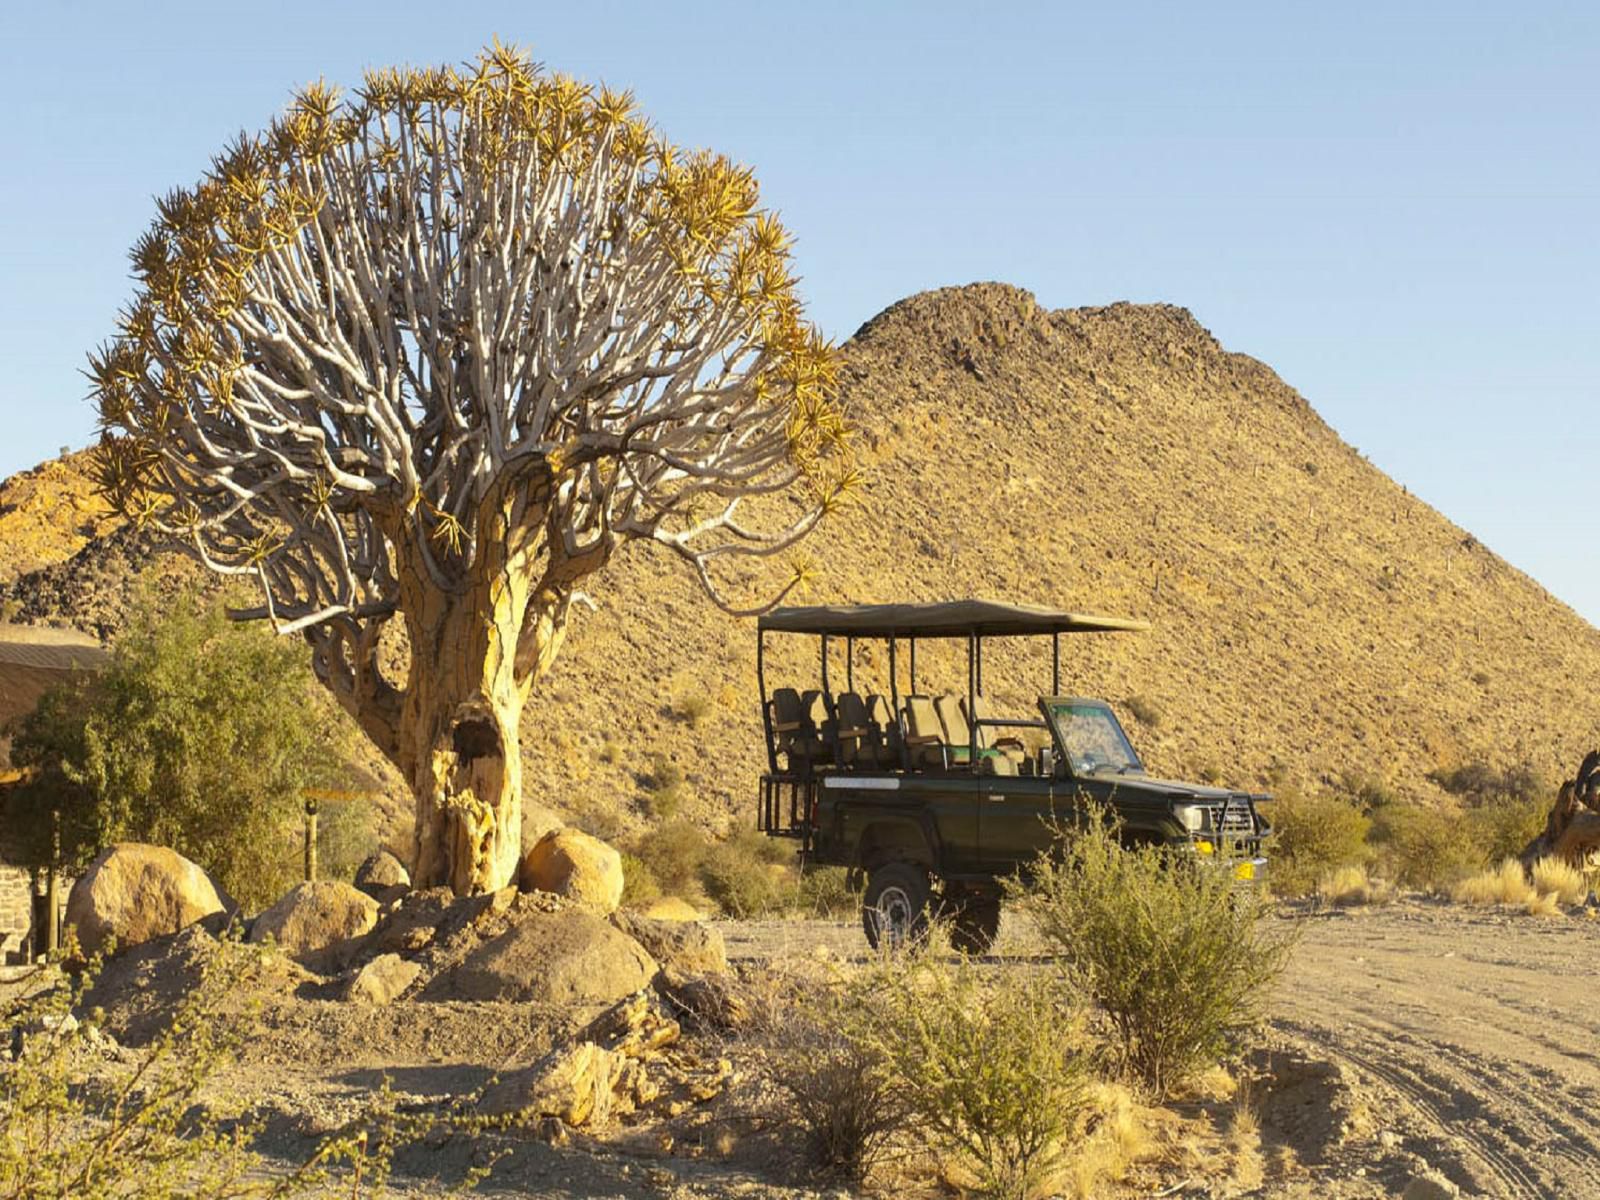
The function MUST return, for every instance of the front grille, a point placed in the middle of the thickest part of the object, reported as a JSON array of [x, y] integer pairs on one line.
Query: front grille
[[1233, 818]]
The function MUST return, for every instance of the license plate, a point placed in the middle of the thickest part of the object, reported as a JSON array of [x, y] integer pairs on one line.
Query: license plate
[[1244, 870]]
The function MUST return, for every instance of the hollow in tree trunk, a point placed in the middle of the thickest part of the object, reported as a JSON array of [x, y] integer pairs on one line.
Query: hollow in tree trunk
[[459, 745]]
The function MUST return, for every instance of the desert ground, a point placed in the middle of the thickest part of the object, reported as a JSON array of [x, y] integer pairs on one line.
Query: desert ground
[[1405, 1039]]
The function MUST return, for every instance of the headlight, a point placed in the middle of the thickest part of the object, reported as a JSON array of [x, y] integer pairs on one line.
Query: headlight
[[1191, 816]]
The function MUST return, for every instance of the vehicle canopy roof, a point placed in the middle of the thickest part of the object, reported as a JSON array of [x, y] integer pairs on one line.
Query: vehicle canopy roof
[[945, 619]]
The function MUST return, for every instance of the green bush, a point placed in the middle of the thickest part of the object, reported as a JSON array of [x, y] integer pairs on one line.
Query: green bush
[[693, 708], [1145, 711], [640, 887], [1503, 829], [739, 876], [202, 735], [1478, 783], [1313, 837], [1368, 792], [665, 788], [991, 1067], [1429, 849], [1174, 952], [824, 892], [672, 853]]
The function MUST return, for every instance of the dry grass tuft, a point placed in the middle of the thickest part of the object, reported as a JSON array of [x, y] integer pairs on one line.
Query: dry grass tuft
[[1349, 887], [1543, 904], [1505, 884], [1554, 885], [1120, 1138], [1560, 879]]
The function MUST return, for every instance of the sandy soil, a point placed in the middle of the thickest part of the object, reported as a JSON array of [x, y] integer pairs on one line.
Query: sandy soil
[[1482, 1029]]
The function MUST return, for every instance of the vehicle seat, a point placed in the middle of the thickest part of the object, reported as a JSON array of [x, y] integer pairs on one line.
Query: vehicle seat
[[997, 764], [883, 719], [924, 737], [859, 739], [818, 708], [1011, 747], [956, 729], [794, 732]]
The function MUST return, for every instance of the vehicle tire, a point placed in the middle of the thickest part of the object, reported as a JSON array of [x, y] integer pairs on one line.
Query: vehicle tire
[[975, 924], [894, 908]]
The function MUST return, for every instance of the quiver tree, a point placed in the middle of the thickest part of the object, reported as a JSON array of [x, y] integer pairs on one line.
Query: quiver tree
[[430, 355]]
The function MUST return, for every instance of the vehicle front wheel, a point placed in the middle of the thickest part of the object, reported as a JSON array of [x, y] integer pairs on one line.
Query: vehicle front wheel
[[894, 910], [975, 924]]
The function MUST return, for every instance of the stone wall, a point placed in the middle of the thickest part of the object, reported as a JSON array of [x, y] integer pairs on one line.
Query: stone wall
[[16, 909]]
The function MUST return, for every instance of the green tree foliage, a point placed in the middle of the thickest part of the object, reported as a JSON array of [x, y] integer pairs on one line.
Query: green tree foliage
[[201, 735], [1314, 836], [1177, 955]]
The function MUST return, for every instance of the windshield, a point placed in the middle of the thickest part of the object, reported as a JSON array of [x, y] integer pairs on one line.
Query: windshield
[[1092, 738]]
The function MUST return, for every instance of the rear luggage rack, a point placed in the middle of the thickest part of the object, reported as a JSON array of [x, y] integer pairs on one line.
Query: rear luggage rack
[[788, 807]]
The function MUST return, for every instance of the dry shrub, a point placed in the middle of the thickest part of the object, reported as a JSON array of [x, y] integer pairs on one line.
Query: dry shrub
[[1175, 953], [745, 875], [1506, 884], [1562, 880], [1543, 904], [834, 1086], [825, 892], [1350, 887], [993, 1070], [640, 887], [1314, 836]]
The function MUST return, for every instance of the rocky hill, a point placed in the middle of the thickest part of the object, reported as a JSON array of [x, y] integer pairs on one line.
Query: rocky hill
[[1312, 620]]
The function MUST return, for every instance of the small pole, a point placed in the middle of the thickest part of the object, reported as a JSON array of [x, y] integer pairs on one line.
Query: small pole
[[311, 839], [52, 886]]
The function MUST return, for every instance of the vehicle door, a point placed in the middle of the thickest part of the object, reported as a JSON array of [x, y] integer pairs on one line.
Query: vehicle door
[[1017, 817]]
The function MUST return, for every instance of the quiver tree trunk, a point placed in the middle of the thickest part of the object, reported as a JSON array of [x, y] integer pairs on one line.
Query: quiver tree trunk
[[474, 658]]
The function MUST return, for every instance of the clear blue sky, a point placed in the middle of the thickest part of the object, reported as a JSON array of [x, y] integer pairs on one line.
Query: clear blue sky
[[1393, 204]]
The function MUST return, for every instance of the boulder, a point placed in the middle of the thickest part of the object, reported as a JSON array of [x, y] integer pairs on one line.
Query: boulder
[[325, 915], [381, 980], [383, 877], [537, 820], [569, 957], [1430, 1185], [673, 908], [686, 946], [134, 892], [570, 863], [628, 1058]]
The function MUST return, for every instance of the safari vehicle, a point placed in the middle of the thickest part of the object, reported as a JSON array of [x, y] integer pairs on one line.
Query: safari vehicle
[[931, 799]]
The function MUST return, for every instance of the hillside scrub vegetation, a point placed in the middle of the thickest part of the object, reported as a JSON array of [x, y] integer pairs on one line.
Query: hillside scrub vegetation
[[1360, 823], [201, 735], [1314, 836], [744, 875], [1178, 958]]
